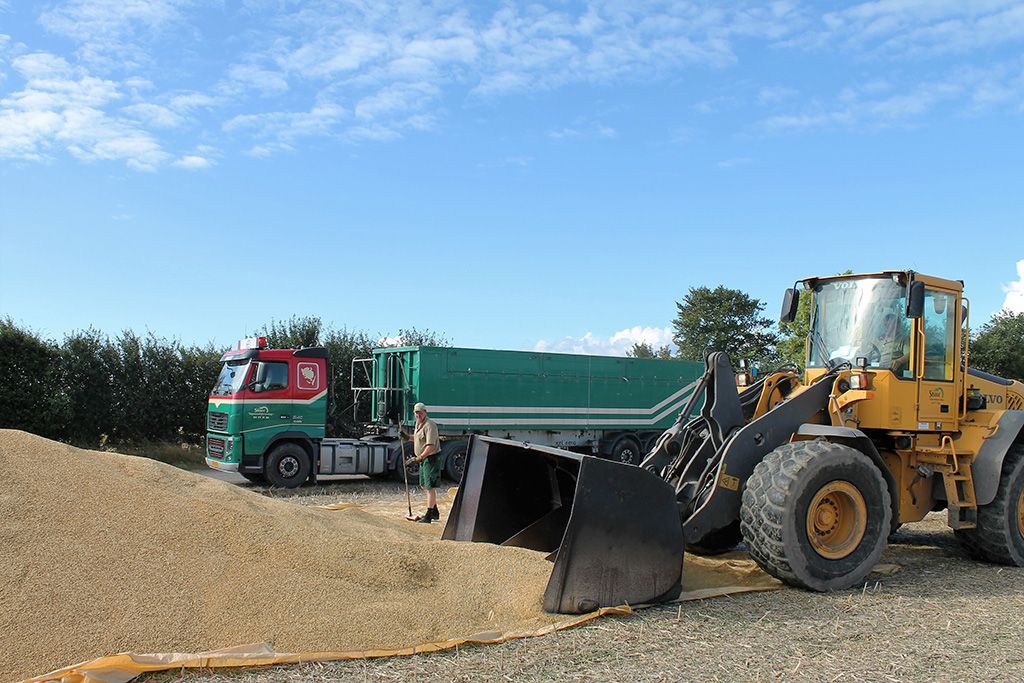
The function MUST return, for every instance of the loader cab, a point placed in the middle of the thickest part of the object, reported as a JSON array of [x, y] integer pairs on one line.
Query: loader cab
[[905, 331]]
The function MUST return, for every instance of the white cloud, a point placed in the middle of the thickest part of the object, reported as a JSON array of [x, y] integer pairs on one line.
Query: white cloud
[[615, 345], [882, 103], [108, 31], [62, 106], [584, 129], [192, 162], [265, 81], [1014, 301], [917, 28], [154, 115], [733, 163]]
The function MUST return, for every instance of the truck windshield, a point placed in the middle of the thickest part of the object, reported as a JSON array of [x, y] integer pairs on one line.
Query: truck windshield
[[231, 377], [860, 318]]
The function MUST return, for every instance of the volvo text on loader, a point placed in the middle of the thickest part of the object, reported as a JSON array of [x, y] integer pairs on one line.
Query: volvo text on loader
[[812, 471]]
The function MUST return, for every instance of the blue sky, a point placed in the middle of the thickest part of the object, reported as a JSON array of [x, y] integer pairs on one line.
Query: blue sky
[[515, 176]]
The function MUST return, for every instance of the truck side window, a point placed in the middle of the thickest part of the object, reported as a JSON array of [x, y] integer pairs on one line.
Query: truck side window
[[940, 321], [272, 376]]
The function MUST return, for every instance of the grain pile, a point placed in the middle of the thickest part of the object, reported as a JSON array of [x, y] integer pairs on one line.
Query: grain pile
[[104, 553]]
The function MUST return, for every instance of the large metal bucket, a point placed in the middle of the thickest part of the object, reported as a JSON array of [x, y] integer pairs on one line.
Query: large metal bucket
[[612, 529]]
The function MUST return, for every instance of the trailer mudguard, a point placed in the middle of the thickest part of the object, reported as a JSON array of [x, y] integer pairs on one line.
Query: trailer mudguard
[[612, 529], [988, 466]]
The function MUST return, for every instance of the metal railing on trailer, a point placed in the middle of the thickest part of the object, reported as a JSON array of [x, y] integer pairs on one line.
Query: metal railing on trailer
[[368, 368]]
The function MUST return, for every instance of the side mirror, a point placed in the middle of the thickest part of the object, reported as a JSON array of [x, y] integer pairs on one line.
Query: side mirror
[[915, 300], [790, 302]]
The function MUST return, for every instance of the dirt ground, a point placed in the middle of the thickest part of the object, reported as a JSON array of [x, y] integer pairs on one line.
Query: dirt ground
[[941, 617]]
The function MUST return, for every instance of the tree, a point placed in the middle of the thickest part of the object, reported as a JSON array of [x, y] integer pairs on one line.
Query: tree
[[645, 350], [295, 332], [723, 319], [999, 346], [792, 345]]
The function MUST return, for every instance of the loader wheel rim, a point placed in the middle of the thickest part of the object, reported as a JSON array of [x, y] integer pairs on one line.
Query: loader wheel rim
[[1020, 513], [836, 520]]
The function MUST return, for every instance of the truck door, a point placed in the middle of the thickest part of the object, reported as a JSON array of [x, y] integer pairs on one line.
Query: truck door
[[309, 410], [268, 404], [938, 354]]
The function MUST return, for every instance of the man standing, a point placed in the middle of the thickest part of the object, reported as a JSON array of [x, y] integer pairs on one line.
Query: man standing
[[425, 448]]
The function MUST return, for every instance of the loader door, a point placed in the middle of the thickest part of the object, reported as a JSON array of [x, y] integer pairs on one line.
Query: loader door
[[937, 354]]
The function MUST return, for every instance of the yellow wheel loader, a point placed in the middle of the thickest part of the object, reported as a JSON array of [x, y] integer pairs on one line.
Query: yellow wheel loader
[[812, 471]]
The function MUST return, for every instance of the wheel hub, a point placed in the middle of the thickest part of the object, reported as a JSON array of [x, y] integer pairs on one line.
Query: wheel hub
[[837, 519], [288, 467]]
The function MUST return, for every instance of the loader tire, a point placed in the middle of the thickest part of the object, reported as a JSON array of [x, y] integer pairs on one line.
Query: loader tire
[[288, 466], [717, 542], [816, 515], [999, 536]]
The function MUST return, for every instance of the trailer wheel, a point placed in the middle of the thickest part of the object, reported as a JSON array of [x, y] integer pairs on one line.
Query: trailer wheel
[[816, 515], [288, 466], [455, 459], [412, 469], [999, 536], [626, 450]]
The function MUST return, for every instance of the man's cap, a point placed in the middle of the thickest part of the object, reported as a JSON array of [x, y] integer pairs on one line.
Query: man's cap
[[419, 408]]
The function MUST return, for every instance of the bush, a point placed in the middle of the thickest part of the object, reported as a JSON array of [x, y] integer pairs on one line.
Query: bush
[[90, 389]]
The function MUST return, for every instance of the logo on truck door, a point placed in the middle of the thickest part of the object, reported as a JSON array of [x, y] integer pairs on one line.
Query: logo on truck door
[[309, 376]]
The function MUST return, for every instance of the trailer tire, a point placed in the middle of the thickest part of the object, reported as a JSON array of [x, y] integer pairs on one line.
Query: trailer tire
[[412, 469], [626, 449], [455, 453], [288, 466], [999, 535], [816, 515]]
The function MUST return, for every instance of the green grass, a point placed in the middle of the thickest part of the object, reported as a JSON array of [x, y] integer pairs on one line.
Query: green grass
[[184, 455]]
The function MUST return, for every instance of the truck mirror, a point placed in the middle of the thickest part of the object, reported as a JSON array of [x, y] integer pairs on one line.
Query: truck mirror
[[789, 305], [915, 299]]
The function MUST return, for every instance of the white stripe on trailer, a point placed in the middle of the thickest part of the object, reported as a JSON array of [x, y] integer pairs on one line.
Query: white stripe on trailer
[[549, 410], [635, 422]]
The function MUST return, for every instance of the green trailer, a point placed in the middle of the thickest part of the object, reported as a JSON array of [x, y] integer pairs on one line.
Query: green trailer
[[609, 406]]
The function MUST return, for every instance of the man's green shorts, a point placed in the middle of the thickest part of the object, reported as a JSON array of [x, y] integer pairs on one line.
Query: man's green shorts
[[430, 472]]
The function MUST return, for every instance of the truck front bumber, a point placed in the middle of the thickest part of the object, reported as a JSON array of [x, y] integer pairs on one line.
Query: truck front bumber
[[223, 451], [613, 529]]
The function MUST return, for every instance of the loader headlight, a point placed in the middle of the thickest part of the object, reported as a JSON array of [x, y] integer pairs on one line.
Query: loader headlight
[[858, 380]]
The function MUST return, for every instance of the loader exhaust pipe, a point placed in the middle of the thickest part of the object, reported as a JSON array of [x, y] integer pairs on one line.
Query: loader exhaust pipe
[[613, 530]]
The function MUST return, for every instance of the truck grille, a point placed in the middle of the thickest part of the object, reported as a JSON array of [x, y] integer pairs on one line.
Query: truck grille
[[215, 447], [217, 421]]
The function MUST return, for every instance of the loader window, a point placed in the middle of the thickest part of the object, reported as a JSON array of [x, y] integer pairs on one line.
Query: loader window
[[861, 318], [939, 322]]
